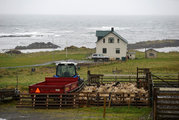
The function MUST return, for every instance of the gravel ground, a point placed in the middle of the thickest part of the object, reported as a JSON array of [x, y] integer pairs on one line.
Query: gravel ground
[[8, 111], [48, 63]]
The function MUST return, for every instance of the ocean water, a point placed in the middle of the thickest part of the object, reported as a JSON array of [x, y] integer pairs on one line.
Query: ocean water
[[80, 30], [165, 49]]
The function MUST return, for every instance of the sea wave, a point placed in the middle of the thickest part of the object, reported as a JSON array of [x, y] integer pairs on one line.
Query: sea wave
[[165, 49], [24, 34], [35, 34], [66, 31], [2, 119], [39, 50], [32, 50], [109, 27]]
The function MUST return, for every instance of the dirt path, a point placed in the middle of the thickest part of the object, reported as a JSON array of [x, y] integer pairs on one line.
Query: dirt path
[[48, 63], [8, 111]]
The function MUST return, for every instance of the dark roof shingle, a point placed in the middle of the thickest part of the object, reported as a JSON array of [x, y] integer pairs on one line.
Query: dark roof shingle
[[102, 34]]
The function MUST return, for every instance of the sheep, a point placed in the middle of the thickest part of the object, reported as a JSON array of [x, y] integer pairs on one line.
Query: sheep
[[129, 90]]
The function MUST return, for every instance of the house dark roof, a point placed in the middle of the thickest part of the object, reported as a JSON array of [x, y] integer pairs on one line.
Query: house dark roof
[[151, 50], [102, 34]]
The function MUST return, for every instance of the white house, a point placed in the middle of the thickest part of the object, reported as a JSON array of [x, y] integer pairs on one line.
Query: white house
[[110, 43]]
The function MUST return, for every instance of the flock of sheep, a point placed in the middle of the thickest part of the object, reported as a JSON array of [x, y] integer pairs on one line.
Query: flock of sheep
[[126, 92]]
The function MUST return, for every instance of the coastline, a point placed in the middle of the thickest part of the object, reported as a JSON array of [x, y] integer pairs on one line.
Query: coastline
[[164, 49], [167, 45]]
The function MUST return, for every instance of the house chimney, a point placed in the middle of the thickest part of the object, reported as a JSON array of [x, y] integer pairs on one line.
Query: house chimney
[[112, 29]]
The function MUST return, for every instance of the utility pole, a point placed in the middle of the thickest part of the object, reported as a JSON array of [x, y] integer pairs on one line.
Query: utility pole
[[145, 53], [66, 50], [53, 55]]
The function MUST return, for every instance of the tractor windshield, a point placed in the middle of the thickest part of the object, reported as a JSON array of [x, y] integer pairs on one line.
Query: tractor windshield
[[68, 70]]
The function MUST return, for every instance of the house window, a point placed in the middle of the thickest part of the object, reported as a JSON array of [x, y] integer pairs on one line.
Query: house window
[[110, 40], [117, 50], [104, 40], [104, 50], [117, 40], [151, 54]]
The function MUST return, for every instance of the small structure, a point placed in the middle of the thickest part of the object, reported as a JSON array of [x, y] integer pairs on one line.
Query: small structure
[[131, 55], [111, 44], [150, 53], [12, 93]]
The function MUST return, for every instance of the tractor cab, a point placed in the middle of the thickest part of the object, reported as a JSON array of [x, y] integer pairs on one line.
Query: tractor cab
[[66, 69]]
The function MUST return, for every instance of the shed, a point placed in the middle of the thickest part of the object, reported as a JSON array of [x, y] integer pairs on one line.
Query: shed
[[131, 55], [151, 53]]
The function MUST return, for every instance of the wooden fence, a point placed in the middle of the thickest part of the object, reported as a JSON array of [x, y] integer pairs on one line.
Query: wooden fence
[[6, 93], [165, 80], [74, 100], [166, 104], [107, 78]]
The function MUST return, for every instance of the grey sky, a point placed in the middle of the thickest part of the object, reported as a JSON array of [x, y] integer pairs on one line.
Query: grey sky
[[90, 7]]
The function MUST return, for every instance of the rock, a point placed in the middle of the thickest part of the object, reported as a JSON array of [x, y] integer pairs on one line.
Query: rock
[[154, 44], [72, 47], [38, 45], [13, 52]]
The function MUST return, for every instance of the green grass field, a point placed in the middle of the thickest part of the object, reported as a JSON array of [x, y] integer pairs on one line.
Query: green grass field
[[164, 63], [8, 60]]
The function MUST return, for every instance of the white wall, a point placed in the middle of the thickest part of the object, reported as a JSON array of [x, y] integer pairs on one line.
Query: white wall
[[111, 47]]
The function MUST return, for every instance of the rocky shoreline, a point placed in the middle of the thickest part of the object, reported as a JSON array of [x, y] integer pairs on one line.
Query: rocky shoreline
[[38, 45], [154, 44], [138, 45]]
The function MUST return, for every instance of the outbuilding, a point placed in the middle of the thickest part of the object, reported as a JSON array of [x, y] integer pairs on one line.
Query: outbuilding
[[131, 55], [151, 53]]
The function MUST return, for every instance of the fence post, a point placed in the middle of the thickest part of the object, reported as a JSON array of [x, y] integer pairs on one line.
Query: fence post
[[150, 88], [17, 81], [156, 90], [60, 101], [102, 79], [137, 77], [89, 77], [87, 100], [74, 100], [47, 101], [150, 95], [98, 99], [178, 79], [34, 100], [110, 98], [104, 113]]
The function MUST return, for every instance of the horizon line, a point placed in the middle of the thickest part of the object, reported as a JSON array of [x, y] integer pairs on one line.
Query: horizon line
[[96, 14]]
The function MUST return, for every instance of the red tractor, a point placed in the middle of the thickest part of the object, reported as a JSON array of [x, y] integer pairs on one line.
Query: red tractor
[[65, 81]]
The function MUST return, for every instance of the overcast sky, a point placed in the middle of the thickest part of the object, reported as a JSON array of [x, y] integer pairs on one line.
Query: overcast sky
[[90, 7]]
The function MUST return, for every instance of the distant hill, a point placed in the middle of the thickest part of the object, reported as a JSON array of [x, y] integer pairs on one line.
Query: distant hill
[[154, 44], [38, 45]]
